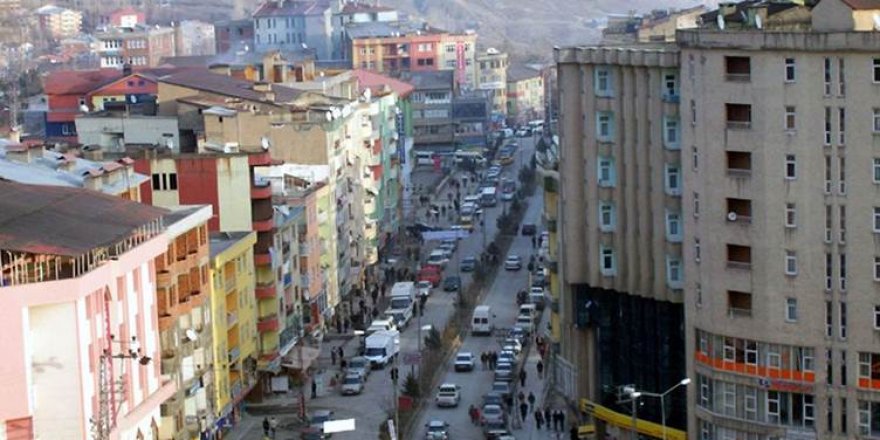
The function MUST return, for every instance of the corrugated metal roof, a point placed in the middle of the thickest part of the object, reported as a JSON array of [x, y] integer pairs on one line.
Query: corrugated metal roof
[[66, 221], [206, 81]]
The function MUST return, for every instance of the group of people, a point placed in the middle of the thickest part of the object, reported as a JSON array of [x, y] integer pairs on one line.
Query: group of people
[[270, 427], [554, 419], [489, 360]]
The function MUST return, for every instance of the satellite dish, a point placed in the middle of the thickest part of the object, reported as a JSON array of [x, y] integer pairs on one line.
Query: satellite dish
[[731, 216], [191, 334], [264, 142], [877, 22], [84, 108], [760, 25], [305, 46], [133, 99], [720, 21]]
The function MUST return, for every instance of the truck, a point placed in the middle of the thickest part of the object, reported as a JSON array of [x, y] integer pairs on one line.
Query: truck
[[489, 196], [403, 294], [381, 347]]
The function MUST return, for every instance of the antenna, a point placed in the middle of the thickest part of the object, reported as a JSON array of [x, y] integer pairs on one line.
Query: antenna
[[720, 21], [760, 25], [264, 142]]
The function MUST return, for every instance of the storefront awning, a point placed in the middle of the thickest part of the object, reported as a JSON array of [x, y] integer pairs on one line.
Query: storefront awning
[[300, 358]]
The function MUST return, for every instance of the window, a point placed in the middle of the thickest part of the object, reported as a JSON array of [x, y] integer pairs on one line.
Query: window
[[697, 249], [737, 68], [670, 87], [696, 204], [876, 70], [604, 126], [607, 261], [696, 158], [739, 210], [841, 78], [876, 317], [157, 179], [739, 116], [739, 303], [827, 138], [841, 126], [828, 271], [829, 328], [827, 75], [790, 215], [790, 75], [876, 220], [606, 217], [842, 319], [739, 162], [841, 175], [673, 227], [791, 310], [751, 403], [773, 406], [606, 172], [876, 121], [739, 256], [842, 272], [790, 118], [791, 263], [603, 82], [876, 170], [876, 268], [790, 167], [673, 180], [842, 226], [693, 112], [670, 133], [673, 272], [828, 175], [172, 181]]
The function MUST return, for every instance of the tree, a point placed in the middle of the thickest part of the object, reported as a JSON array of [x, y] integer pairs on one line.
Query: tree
[[433, 341], [411, 386]]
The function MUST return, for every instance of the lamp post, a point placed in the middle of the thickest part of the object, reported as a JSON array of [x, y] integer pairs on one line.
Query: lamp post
[[662, 396]]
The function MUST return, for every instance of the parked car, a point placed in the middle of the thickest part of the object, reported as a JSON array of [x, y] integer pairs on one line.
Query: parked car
[[492, 414], [513, 262], [438, 257], [494, 398], [514, 344], [464, 361], [519, 334], [448, 395], [507, 357], [430, 274], [501, 387], [451, 283], [318, 417], [425, 288], [352, 384], [504, 372], [539, 280], [359, 365], [449, 244], [468, 264], [526, 323], [437, 430], [529, 229]]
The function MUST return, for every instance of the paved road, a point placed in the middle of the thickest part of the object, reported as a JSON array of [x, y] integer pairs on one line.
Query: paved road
[[369, 409]]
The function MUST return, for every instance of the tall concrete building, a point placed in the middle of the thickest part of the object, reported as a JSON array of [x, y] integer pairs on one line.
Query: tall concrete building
[[781, 170], [777, 167], [620, 218]]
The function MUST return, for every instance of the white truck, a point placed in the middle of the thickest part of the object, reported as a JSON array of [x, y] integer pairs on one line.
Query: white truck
[[402, 295], [381, 347]]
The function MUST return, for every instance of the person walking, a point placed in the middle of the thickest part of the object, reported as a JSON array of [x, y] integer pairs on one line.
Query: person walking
[[314, 389], [266, 426], [523, 411], [273, 426], [483, 359], [333, 356], [477, 416], [522, 377], [521, 397], [548, 417], [573, 432], [341, 352], [561, 420], [540, 367], [531, 400], [471, 414], [539, 418]]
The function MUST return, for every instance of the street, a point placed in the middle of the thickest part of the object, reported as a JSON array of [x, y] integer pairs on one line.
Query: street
[[371, 407]]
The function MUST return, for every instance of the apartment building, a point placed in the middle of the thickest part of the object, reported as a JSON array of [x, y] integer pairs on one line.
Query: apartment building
[[620, 218], [233, 36], [234, 325], [59, 23], [492, 77], [184, 310], [137, 45], [80, 330], [781, 167], [525, 93], [432, 109], [289, 25]]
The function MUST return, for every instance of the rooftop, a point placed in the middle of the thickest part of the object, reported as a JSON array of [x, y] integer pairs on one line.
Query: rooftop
[[61, 221], [221, 241], [81, 82], [356, 6], [376, 82], [285, 8], [242, 58], [437, 79], [517, 72], [386, 29], [228, 86]]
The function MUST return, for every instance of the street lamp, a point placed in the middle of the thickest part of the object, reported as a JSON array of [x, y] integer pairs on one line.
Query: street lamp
[[662, 396]]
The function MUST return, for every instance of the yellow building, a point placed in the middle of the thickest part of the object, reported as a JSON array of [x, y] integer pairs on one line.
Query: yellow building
[[234, 317]]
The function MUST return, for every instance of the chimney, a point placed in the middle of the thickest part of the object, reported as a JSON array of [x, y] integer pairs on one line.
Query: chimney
[[93, 153], [92, 179], [726, 8], [262, 86], [24, 153]]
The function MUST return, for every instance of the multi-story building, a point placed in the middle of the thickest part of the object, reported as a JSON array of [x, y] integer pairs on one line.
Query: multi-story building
[[234, 35], [137, 45], [525, 94], [471, 113], [80, 331], [184, 310], [353, 12], [457, 52], [194, 37], [658, 25], [432, 109], [234, 324], [59, 22], [492, 77], [289, 25], [781, 262], [621, 222]]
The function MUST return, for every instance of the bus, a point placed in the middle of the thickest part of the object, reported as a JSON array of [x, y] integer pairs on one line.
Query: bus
[[489, 196]]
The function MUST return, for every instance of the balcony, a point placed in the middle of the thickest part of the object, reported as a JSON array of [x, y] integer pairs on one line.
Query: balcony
[[264, 225], [671, 98], [229, 283], [263, 259], [268, 324], [263, 158], [231, 319], [234, 354], [265, 291], [739, 210], [304, 248], [261, 191], [739, 257]]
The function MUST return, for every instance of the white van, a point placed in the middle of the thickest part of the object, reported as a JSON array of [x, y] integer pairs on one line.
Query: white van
[[381, 325], [529, 310], [403, 294], [462, 155], [381, 347], [424, 157], [481, 324]]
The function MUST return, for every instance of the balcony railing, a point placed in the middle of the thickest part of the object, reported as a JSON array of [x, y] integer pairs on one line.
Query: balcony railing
[[234, 354], [737, 312], [739, 265], [739, 125], [231, 319], [738, 77]]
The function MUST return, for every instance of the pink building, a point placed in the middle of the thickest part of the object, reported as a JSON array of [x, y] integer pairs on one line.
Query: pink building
[[78, 315]]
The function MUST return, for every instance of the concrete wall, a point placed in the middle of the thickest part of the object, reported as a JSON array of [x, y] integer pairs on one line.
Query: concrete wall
[[105, 131]]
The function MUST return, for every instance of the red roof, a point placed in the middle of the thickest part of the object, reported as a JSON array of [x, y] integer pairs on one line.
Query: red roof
[[375, 81], [863, 4], [68, 82]]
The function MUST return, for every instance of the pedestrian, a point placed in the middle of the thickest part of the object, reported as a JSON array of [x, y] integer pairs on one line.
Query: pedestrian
[[548, 417], [483, 359], [521, 397], [333, 356], [343, 364], [494, 359], [273, 426], [341, 352], [573, 433], [561, 420], [266, 426], [523, 411], [314, 389], [471, 414], [540, 368], [477, 415], [522, 377], [539, 418], [531, 400]]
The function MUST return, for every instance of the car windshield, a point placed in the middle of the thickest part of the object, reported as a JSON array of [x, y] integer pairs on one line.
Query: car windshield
[[436, 428], [321, 418], [357, 363], [351, 380], [491, 410], [463, 357], [374, 351]]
